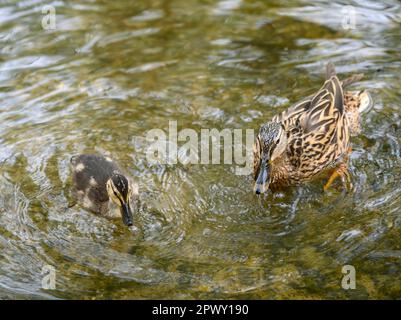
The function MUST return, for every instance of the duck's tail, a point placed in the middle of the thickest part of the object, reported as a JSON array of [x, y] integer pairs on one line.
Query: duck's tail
[[363, 101], [356, 103]]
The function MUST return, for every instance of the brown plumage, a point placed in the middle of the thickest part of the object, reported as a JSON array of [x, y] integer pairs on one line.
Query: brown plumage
[[310, 136], [101, 187]]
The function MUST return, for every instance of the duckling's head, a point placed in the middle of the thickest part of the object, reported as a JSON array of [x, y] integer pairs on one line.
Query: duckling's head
[[270, 143], [120, 190]]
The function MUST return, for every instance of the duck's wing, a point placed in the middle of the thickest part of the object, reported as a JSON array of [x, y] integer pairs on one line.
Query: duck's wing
[[325, 107], [290, 116], [330, 70], [321, 135], [350, 80]]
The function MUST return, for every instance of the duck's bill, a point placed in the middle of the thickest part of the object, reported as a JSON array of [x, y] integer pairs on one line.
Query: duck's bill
[[262, 181], [126, 214]]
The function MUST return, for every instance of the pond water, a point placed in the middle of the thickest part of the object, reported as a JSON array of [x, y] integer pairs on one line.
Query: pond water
[[112, 70]]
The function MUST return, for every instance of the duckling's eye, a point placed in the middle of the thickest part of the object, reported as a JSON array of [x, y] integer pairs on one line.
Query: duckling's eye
[[114, 191]]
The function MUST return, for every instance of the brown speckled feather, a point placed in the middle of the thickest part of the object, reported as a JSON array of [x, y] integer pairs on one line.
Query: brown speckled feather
[[319, 135], [318, 130]]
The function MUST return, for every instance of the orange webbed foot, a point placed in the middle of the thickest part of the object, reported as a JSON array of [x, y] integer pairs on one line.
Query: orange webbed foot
[[343, 173]]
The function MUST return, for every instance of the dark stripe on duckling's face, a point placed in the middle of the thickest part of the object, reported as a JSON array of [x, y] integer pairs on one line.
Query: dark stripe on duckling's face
[[121, 184], [119, 192]]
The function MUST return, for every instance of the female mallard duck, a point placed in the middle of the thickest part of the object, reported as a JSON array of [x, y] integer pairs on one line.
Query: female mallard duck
[[311, 136], [101, 187]]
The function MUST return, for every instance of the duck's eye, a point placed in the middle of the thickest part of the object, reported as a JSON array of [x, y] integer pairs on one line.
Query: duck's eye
[[273, 147], [279, 136]]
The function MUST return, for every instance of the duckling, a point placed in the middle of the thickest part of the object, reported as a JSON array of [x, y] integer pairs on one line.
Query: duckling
[[102, 188], [311, 136]]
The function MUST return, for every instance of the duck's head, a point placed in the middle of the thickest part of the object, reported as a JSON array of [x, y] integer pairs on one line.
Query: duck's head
[[120, 191], [270, 143]]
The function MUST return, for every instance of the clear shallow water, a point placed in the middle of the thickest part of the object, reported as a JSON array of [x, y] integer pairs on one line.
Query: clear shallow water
[[111, 71]]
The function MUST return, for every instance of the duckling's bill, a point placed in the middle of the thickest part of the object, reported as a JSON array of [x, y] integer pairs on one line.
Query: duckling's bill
[[126, 214]]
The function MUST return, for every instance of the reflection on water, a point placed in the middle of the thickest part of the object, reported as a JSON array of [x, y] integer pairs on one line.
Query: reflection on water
[[110, 71]]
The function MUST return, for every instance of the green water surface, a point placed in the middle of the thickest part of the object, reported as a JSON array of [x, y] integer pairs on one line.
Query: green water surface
[[112, 70]]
